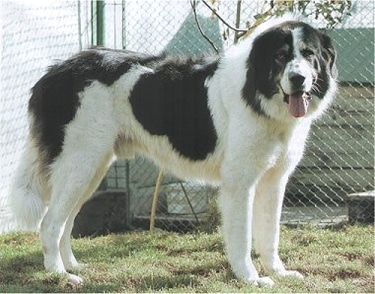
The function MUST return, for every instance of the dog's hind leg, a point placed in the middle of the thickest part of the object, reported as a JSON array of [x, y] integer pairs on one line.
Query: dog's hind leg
[[67, 255], [76, 172], [72, 184]]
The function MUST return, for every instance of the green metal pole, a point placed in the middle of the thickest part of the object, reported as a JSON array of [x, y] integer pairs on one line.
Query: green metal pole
[[123, 22], [97, 23], [79, 25], [100, 22]]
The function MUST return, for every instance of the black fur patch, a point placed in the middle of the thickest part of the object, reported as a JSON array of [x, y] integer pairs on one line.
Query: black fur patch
[[327, 65], [264, 64], [54, 101], [172, 101]]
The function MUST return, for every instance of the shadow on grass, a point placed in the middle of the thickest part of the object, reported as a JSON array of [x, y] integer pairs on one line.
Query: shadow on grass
[[23, 271], [17, 267], [26, 273]]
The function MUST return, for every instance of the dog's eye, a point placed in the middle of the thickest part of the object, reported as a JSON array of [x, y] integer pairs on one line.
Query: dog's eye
[[307, 52], [280, 56]]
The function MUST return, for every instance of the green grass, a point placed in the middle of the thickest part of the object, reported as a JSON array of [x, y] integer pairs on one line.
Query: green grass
[[332, 260]]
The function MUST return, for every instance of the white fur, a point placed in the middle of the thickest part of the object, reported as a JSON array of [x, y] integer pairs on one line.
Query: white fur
[[252, 161]]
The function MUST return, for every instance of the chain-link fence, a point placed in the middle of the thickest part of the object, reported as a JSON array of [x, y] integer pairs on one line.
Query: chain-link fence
[[339, 156]]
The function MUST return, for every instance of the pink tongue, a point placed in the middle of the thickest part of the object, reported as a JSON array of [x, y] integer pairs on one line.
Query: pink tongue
[[298, 103]]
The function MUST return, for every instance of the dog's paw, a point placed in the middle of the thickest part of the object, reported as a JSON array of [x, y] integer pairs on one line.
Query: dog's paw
[[264, 282], [74, 280], [261, 281]]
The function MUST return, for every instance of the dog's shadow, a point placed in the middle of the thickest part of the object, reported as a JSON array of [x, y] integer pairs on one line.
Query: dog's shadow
[[22, 271]]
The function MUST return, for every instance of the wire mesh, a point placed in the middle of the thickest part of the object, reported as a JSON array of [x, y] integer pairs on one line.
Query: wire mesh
[[339, 155]]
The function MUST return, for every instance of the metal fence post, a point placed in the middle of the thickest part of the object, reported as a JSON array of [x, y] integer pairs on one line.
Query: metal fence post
[[97, 10], [123, 19]]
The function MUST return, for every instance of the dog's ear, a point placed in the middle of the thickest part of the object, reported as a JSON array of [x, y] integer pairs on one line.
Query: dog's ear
[[250, 88], [329, 54]]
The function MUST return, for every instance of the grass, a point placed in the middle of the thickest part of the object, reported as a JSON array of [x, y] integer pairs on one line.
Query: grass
[[332, 260]]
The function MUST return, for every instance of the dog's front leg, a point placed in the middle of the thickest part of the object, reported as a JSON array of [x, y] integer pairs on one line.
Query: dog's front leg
[[266, 220], [236, 209]]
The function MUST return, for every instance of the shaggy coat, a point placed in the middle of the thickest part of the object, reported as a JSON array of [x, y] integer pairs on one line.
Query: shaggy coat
[[239, 120]]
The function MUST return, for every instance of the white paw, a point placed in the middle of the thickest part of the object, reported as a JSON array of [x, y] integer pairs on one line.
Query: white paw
[[261, 282], [264, 282], [75, 280]]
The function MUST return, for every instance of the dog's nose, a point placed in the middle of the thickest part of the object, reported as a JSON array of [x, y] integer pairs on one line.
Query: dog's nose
[[296, 80]]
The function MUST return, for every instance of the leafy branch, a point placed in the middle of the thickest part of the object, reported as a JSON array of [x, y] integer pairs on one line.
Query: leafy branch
[[193, 4], [331, 12]]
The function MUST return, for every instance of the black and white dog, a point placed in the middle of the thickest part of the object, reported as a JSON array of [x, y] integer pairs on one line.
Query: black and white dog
[[239, 120]]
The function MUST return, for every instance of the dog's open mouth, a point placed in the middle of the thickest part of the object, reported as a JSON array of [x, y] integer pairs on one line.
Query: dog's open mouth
[[298, 103]]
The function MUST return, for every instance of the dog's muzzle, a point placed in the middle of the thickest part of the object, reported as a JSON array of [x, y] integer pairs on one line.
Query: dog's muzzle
[[299, 99]]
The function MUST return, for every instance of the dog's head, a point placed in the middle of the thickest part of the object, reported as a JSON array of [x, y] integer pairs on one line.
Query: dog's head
[[291, 68]]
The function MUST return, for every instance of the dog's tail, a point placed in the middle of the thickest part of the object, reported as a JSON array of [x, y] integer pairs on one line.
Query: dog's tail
[[29, 191]]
